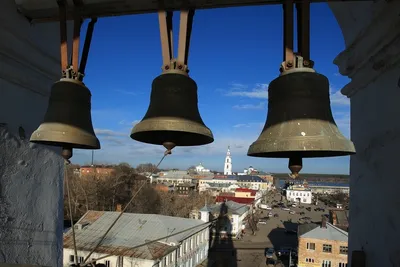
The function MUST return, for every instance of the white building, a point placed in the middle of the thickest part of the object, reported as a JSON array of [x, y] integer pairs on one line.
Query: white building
[[200, 169], [248, 171], [237, 213], [296, 193], [187, 249], [228, 163], [174, 177]]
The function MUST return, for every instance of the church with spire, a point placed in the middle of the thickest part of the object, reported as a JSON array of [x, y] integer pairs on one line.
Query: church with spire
[[228, 163]]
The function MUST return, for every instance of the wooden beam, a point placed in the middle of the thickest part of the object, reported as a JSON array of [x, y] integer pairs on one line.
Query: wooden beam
[[120, 8]]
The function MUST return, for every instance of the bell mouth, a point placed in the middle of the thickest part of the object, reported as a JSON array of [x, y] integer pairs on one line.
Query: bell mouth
[[75, 139], [179, 131], [301, 148]]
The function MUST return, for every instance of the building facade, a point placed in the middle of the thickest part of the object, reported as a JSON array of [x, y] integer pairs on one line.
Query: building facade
[[298, 193], [236, 212], [184, 250], [96, 171], [322, 245]]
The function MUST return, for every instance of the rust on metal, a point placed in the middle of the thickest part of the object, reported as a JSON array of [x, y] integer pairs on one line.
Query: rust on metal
[[63, 34], [185, 31]]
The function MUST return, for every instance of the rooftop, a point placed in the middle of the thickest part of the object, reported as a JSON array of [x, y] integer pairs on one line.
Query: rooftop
[[233, 208], [240, 200], [131, 230], [315, 231]]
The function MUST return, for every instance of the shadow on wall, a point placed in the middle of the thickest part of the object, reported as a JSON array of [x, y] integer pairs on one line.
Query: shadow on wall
[[222, 252]]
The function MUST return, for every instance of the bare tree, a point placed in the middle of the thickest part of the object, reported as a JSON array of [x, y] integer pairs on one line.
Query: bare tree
[[146, 167]]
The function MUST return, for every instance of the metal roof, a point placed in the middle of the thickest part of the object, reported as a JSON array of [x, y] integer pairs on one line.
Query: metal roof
[[131, 229], [233, 208], [315, 231]]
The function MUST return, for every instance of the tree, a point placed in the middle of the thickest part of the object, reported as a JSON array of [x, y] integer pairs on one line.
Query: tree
[[146, 167]]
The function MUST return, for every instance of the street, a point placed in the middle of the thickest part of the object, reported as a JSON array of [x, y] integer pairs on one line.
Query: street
[[249, 252]]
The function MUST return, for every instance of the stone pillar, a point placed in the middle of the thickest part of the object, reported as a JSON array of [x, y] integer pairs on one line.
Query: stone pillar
[[372, 62], [31, 191]]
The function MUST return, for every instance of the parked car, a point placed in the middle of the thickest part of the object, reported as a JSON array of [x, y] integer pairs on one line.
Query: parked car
[[308, 208], [276, 215], [284, 251], [302, 213], [270, 261], [292, 212], [269, 252]]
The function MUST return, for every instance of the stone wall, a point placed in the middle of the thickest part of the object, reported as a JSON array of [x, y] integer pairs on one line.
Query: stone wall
[[372, 61], [31, 203]]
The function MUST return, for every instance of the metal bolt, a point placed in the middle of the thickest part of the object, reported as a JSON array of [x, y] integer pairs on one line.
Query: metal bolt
[[180, 67], [289, 64], [166, 67], [306, 63]]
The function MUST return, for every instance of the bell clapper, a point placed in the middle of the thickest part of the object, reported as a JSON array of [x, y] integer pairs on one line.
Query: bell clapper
[[295, 166], [169, 146], [67, 154]]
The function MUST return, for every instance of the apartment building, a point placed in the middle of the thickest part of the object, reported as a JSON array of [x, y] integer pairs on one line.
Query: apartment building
[[236, 212], [299, 193], [186, 249], [322, 245]]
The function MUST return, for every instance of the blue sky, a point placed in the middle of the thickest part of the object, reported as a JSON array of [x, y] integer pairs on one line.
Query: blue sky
[[234, 54]]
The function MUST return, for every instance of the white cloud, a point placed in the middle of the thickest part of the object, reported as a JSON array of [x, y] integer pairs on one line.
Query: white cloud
[[261, 105], [260, 90], [107, 132], [248, 125], [337, 98]]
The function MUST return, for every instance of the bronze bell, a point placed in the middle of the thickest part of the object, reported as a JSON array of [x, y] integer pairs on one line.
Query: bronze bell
[[299, 121], [173, 115], [68, 121]]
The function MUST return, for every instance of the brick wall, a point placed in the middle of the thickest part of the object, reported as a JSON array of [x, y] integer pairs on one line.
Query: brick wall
[[317, 255]]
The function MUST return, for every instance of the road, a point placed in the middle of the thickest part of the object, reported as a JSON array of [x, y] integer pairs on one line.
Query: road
[[249, 252]]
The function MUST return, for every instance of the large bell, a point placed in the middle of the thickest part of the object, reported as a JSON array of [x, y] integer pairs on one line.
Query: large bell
[[173, 115], [299, 121], [68, 121]]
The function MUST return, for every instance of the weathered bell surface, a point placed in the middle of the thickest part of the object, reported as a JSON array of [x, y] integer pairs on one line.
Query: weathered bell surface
[[173, 115], [68, 121], [299, 121]]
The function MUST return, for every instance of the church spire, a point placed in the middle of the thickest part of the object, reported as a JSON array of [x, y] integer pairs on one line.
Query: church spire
[[228, 163]]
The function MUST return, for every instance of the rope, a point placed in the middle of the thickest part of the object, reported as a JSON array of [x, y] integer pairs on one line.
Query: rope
[[123, 210], [66, 162], [177, 233]]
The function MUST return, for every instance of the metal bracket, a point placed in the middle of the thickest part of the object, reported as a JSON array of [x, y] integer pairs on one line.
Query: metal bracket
[[298, 64], [72, 69], [301, 59], [170, 63]]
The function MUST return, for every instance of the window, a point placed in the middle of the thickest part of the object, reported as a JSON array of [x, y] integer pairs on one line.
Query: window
[[108, 263], [341, 264], [327, 248], [71, 258], [309, 260], [326, 263], [165, 260], [311, 246], [80, 259], [343, 250]]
